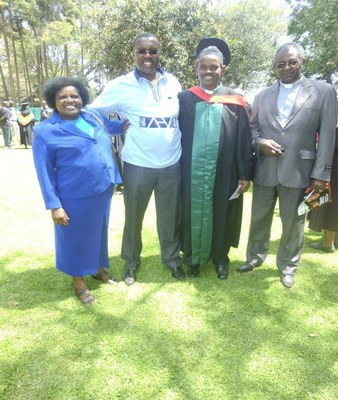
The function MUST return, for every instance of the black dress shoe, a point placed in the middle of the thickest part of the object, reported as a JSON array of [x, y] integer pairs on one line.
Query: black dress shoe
[[288, 280], [222, 271], [129, 276], [193, 270], [178, 273], [248, 266]]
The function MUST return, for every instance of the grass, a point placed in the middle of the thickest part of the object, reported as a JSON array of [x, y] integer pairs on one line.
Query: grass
[[245, 338]]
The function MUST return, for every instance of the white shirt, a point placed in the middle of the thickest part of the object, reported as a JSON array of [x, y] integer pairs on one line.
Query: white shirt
[[286, 99], [153, 139]]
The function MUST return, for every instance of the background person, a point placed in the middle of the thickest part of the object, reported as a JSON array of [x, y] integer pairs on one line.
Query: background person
[[14, 124], [26, 121], [44, 111], [217, 157], [285, 120], [5, 124], [325, 217], [77, 173], [147, 97]]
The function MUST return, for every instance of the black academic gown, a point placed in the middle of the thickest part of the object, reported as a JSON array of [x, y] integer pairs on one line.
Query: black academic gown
[[216, 153], [26, 121]]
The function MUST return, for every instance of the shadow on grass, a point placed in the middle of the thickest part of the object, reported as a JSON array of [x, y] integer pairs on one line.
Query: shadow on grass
[[201, 339], [27, 281], [270, 328]]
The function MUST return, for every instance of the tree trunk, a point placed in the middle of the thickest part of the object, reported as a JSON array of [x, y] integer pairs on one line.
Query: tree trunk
[[39, 70], [8, 55], [15, 56], [17, 97], [26, 72], [3, 82], [66, 60], [45, 62]]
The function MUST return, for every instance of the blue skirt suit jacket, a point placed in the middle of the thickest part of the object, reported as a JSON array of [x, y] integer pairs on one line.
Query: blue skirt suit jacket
[[70, 164]]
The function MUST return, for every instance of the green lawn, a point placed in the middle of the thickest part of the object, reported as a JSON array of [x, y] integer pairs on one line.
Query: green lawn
[[244, 338]]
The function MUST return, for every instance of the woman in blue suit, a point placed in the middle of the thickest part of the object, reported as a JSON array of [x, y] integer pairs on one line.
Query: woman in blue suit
[[77, 172]]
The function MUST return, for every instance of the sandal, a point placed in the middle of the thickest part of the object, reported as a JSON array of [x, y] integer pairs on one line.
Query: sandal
[[319, 246], [104, 277], [85, 296]]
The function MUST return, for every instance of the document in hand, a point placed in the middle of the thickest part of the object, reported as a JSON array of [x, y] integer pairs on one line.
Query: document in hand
[[236, 193]]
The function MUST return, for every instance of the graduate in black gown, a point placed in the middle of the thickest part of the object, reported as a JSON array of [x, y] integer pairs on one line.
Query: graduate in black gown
[[26, 121], [217, 158]]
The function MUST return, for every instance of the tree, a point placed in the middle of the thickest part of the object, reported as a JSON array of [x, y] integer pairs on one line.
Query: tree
[[43, 28], [110, 29], [6, 32], [314, 25], [92, 38], [251, 28]]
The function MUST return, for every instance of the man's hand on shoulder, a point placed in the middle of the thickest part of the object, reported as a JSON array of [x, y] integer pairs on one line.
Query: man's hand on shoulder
[[125, 125]]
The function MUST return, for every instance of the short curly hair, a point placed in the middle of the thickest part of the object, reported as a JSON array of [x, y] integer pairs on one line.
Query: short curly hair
[[53, 85]]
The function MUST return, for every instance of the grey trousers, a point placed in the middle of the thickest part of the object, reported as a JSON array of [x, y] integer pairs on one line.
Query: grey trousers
[[138, 185], [292, 239], [7, 133]]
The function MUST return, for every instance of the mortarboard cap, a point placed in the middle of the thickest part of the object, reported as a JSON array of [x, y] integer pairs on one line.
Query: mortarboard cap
[[219, 43]]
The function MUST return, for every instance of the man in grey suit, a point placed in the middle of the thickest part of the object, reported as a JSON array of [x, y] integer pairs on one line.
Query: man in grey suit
[[287, 118]]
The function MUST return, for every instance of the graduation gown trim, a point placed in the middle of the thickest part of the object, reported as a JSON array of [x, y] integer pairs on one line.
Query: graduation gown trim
[[210, 98], [203, 171]]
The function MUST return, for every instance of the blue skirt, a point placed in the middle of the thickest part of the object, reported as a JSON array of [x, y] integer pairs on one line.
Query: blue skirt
[[81, 248]]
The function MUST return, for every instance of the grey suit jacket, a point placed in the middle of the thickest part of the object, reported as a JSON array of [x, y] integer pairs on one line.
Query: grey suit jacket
[[314, 112]]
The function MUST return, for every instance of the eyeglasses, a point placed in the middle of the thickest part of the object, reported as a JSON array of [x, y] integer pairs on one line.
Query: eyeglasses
[[212, 68], [151, 52], [283, 64]]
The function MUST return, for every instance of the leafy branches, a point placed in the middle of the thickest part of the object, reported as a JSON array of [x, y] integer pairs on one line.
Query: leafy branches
[[92, 38], [314, 24], [250, 27]]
